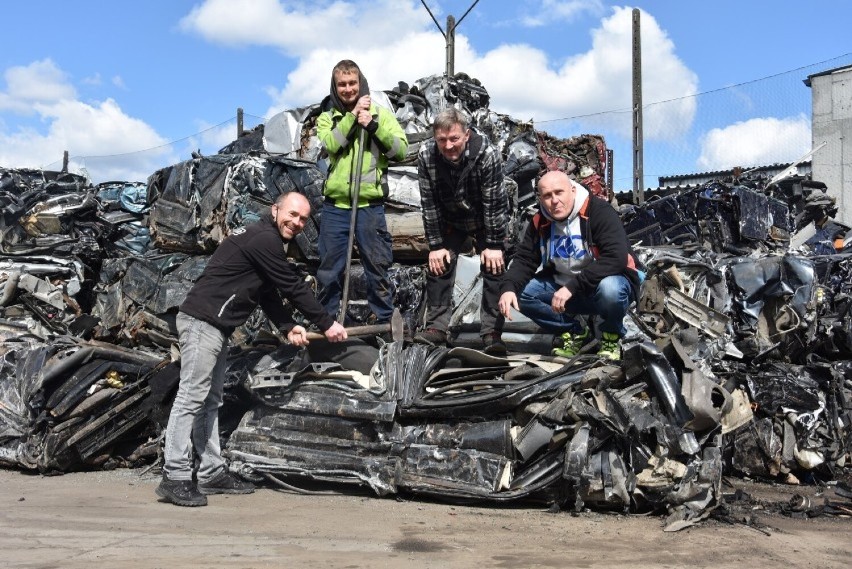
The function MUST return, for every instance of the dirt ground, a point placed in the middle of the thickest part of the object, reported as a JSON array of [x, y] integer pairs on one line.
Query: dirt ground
[[113, 519]]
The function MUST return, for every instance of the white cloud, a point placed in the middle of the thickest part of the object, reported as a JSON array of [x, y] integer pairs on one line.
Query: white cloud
[[416, 55], [41, 81], [550, 11], [299, 30], [99, 136], [93, 80], [523, 81], [755, 142], [387, 38]]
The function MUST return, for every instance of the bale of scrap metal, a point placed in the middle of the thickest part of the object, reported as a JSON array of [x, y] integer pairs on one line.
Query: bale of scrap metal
[[69, 404]]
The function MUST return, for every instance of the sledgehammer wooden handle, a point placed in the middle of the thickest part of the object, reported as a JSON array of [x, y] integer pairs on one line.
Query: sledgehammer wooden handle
[[370, 330], [395, 326]]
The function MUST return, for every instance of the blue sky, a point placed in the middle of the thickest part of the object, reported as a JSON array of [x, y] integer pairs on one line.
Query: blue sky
[[130, 87]]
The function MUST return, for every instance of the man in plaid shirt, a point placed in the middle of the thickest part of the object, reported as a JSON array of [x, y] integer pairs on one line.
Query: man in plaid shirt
[[462, 197]]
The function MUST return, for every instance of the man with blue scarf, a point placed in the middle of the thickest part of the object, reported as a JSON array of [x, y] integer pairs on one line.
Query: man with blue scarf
[[574, 259]]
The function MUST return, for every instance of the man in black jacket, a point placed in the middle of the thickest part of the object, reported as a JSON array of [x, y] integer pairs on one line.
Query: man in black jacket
[[462, 196], [587, 267], [249, 268]]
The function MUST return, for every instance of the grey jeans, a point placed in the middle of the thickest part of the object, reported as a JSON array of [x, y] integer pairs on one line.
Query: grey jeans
[[194, 419]]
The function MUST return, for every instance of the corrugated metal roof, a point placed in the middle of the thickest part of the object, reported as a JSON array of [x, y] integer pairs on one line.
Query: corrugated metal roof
[[774, 168], [826, 72]]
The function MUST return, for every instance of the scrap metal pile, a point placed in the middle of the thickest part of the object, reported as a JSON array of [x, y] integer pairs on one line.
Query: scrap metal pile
[[738, 358]]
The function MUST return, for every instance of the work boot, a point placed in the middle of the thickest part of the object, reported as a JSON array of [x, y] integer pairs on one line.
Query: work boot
[[431, 337], [572, 343], [180, 492], [494, 345], [609, 346], [225, 483]]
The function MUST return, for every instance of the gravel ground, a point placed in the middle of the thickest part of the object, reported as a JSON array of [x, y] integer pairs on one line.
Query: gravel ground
[[113, 519]]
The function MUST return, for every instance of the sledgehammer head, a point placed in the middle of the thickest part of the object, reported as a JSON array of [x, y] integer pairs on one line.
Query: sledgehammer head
[[396, 327]]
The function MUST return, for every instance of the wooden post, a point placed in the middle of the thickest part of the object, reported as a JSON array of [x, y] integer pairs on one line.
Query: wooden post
[[451, 46], [239, 122], [610, 187], [638, 167], [65, 161]]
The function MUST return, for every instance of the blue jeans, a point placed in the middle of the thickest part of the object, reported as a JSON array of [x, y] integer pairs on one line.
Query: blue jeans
[[374, 245], [194, 419], [610, 301]]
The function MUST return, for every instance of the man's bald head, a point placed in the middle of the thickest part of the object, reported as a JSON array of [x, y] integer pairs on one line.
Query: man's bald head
[[290, 213], [292, 198], [556, 194]]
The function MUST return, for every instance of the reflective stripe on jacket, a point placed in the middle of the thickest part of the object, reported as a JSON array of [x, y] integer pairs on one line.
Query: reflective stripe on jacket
[[339, 133]]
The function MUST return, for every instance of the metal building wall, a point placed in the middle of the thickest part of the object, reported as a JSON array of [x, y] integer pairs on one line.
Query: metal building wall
[[832, 123]]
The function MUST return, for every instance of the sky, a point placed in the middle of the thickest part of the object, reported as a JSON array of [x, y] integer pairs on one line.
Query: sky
[[128, 88]]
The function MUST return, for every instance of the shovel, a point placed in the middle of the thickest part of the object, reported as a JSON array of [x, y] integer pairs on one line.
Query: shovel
[[356, 191], [395, 326]]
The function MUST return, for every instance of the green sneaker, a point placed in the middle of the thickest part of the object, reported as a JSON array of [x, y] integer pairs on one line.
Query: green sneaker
[[571, 343], [609, 346]]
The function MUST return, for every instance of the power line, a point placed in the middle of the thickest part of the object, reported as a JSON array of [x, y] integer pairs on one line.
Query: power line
[[167, 144], [718, 90], [750, 82], [621, 111]]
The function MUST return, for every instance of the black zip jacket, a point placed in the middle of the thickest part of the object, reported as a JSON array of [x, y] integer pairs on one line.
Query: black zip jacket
[[603, 234], [244, 271]]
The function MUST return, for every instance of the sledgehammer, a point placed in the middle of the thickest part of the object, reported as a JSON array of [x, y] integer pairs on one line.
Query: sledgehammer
[[396, 327]]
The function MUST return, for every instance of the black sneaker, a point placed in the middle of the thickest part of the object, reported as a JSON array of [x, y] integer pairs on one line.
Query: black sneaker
[[180, 492], [431, 337], [494, 345], [225, 483]]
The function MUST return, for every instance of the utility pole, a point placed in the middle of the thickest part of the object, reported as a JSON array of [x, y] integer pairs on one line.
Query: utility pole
[[451, 46], [449, 36], [610, 168], [638, 168]]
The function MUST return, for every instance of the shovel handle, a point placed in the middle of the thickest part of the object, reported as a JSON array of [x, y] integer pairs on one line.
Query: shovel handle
[[356, 192]]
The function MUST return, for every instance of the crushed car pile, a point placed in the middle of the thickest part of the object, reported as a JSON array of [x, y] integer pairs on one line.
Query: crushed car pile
[[738, 359]]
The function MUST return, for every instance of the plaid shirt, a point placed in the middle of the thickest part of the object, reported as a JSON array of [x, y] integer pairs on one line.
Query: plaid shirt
[[469, 197]]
